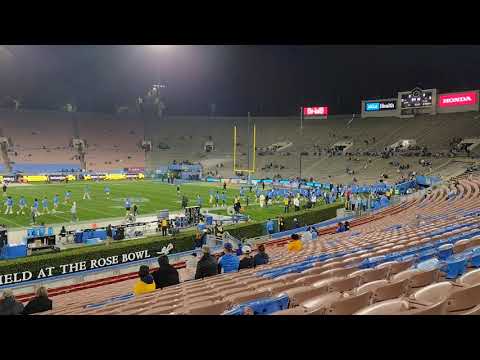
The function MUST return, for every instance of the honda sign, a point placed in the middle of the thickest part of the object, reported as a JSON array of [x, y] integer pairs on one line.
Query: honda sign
[[458, 99]]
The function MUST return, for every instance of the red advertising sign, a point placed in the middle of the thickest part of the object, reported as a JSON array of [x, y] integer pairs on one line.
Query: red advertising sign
[[315, 111], [458, 99]]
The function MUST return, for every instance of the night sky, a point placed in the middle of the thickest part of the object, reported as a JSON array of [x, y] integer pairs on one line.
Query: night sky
[[265, 80]]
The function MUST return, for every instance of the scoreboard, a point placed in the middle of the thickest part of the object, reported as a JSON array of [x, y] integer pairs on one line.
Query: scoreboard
[[417, 98]]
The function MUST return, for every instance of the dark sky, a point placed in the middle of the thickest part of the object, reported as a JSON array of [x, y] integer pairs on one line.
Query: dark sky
[[265, 80]]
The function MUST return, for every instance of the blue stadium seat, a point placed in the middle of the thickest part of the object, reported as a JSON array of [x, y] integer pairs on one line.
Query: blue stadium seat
[[445, 251], [425, 255], [475, 258], [264, 306], [455, 266]]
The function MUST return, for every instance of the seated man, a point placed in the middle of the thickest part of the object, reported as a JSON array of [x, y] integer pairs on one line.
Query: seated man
[[247, 262], [166, 275], [229, 261], [207, 265], [261, 258]]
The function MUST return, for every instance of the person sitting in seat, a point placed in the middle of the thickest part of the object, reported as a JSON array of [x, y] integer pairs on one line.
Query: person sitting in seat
[[340, 228], [145, 283], [247, 261], [39, 303], [229, 261], [207, 265], [346, 226], [261, 258], [9, 305], [296, 244], [166, 275]]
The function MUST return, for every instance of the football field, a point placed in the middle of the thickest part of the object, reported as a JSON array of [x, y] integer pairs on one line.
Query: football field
[[149, 196]]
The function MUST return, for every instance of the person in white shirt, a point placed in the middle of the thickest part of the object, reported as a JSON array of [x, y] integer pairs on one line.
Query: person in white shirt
[[296, 203], [314, 200], [262, 200], [73, 210]]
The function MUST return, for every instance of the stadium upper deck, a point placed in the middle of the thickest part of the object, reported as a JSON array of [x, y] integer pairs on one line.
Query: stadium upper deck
[[42, 137]]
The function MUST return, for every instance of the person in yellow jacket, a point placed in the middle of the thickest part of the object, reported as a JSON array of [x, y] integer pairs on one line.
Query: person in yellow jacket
[[296, 244], [145, 282]]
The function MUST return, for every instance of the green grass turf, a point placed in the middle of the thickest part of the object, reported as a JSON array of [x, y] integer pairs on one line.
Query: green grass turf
[[256, 213], [158, 196]]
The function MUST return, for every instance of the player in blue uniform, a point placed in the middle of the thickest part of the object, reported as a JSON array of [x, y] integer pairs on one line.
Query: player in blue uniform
[[199, 200], [128, 206], [45, 206], [107, 192], [68, 196], [56, 200], [22, 204], [34, 210], [9, 206], [224, 199]]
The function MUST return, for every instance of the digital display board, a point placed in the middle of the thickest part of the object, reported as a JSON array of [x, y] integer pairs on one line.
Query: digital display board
[[383, 105], [315, 111], [458, 99], [417, 98]]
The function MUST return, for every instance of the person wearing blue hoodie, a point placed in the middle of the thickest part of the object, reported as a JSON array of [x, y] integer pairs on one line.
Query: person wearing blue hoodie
[[229, 262]]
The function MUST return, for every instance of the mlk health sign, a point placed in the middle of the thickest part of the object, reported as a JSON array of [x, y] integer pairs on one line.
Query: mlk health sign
[[458, 99]]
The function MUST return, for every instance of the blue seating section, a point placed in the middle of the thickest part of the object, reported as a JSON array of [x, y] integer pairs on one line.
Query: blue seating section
[[264, 306], [111, 300], [452, 265]]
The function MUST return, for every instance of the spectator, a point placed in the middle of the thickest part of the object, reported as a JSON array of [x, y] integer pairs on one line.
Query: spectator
[[39, 303], [296, 203], [228, 262], [166, 275], [145, 283], [281, 224], [307, 234], [9, 305], [203, 238], [247, 262], [270, 226], [347, 226], [261, 258], [207, 265], [340, 228], [296, 224], [63, 235], [296, 244]]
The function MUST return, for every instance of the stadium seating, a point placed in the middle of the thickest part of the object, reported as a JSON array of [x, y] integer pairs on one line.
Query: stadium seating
[[42, 137], [385, 269]]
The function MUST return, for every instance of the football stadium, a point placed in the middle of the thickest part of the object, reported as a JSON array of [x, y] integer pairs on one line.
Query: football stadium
[[136, 209]]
